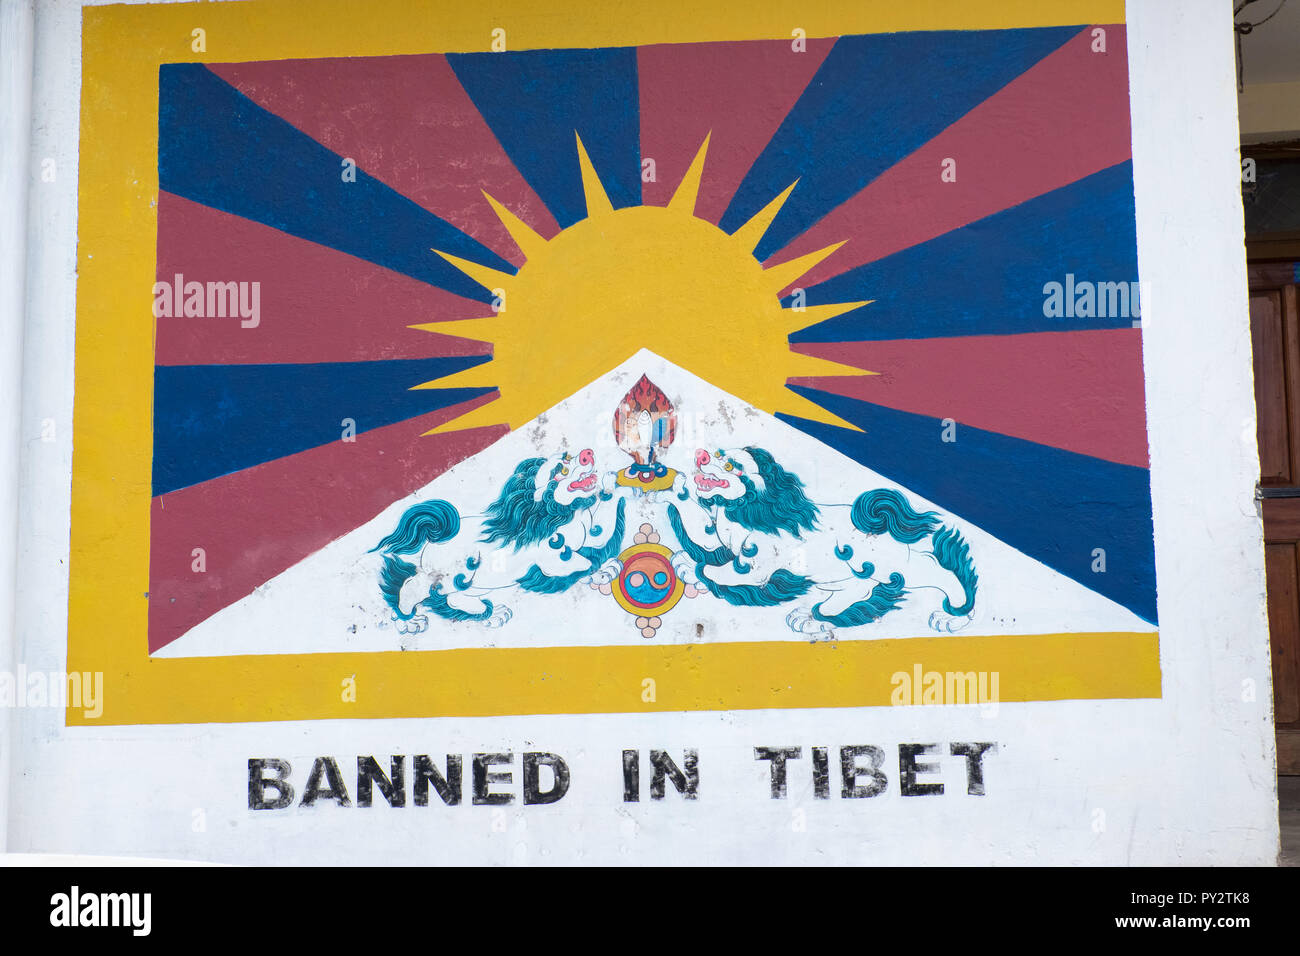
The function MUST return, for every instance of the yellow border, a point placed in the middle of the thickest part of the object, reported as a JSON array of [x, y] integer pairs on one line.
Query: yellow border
[[123, 47]]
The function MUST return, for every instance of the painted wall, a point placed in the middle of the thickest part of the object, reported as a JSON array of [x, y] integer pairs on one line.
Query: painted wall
[[1114, 762]]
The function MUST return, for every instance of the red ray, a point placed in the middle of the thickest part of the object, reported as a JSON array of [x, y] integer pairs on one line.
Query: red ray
[[1063, 119], [315, 304], [407, 122], [255, 523], [739, 90], [1081, 391]]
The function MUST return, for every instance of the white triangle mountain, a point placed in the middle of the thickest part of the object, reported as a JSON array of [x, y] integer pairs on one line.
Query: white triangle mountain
[[331, 600]]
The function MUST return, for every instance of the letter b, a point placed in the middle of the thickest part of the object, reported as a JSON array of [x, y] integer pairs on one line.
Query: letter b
[[258, 782]]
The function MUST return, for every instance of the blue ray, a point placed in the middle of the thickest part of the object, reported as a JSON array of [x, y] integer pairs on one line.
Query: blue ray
[[211, 420], [874, 100], [1056, 506], [988, 277], [219, 148], [535, 100]]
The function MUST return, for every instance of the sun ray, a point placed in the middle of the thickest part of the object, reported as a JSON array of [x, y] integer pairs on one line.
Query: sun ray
[[801, 407], [478, 376], [772, 395], [751, 233], [779, 276], [528, 241], [485, 276], [488, 414], [592, 190], [688, 191], [485, 329], [815, 314], [800, 364]]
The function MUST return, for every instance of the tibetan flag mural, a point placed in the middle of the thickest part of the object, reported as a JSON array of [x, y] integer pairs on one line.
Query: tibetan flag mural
[[503, 379]]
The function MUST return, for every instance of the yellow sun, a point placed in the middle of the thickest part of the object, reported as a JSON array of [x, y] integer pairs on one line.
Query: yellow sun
[[641, 277]]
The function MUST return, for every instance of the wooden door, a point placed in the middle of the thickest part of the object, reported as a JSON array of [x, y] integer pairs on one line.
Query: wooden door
[[1275, 339]]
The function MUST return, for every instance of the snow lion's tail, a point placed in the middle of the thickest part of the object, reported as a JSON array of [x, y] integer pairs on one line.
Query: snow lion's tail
[[952, 553], [426, 523]]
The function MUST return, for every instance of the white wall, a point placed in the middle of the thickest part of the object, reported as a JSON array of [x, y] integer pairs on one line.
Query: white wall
[[16, 41], [1185, 779]]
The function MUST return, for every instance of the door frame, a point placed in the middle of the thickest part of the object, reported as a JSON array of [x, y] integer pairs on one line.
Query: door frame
[[1276, 259]]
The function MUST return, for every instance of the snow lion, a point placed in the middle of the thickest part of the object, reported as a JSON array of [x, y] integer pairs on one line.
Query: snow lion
[[545, 517], [756, 539]]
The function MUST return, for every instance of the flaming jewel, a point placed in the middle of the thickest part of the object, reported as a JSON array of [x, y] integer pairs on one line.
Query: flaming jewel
[[644, 425]]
